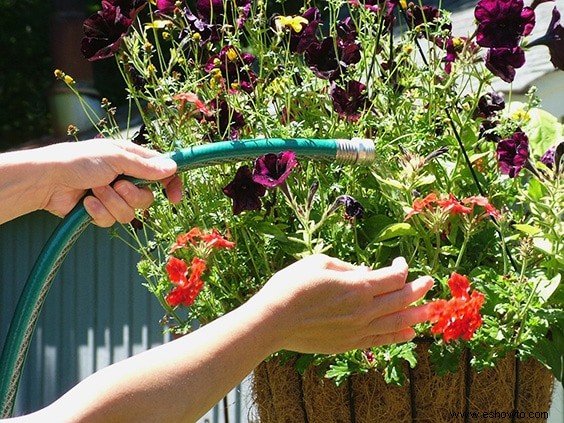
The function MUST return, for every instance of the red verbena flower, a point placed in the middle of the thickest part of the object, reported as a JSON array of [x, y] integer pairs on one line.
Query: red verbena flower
[[460, 316], [453, 206], [214, 239], [187, 289]]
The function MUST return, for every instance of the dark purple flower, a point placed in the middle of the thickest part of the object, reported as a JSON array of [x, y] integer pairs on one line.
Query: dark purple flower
[[128, 8], [244, 192], [227, 120], [548, 157], [513, 153], [234, 67], [351, 101], [502, 62], [331, 57], [300, 41], [502, 23], [554, 40], [353, 209], [488, 104], [346, 30], [272, 169], [104, 31]]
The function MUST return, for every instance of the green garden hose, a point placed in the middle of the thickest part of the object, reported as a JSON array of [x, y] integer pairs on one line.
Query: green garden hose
[[356, 151]]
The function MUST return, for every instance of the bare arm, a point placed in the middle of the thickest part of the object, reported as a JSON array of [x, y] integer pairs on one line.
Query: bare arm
[[318, 304], [56, 177]]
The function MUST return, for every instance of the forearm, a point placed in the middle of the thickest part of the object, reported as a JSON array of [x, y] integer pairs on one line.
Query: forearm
[[177, 382], [23, 183]]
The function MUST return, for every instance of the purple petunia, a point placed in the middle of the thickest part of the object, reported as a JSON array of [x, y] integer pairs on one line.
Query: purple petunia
[[300, 41], [244, 192], [513, 153], [331, 57], [271, 170], [488, 104], [554, 40], [104, 31], [353, 208], [502, 23], [502, 62]]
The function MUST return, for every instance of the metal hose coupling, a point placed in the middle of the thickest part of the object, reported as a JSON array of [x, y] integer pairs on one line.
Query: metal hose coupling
[[355, 151]]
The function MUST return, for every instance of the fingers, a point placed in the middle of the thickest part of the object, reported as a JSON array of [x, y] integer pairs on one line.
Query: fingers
[[117, 203], [400, 299]]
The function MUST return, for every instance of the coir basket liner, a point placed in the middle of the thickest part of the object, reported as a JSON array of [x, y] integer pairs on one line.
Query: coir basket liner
[[513, 391]]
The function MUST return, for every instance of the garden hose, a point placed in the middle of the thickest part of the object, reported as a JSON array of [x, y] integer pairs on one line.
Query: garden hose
[[355, 151]]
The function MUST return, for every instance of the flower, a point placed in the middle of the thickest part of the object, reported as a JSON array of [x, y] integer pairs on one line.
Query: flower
[[502, 62], [502, 23], [187, 288], [554, 40], [513, 153], [463, 177], [244, 191], [272, 170], [460, 316]]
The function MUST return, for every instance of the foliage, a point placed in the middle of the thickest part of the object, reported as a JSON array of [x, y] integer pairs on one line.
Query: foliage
[[462, 185]]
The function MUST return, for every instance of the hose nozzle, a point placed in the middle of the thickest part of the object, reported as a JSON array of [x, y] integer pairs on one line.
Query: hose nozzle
[[355, 151]]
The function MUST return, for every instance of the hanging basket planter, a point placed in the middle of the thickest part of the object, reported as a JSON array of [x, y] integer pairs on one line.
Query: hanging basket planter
[[513, 391]]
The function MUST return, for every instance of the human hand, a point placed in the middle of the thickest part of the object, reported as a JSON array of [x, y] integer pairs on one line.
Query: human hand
[[324, 305], [95, 164]]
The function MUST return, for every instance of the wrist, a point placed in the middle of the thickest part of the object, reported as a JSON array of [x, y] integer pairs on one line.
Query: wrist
[[25, 182]]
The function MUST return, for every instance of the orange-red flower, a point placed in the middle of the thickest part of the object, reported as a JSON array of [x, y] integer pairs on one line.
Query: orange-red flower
[[187, 288], [460, 316]]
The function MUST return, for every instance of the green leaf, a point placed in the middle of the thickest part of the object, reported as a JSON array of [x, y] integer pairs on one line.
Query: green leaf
[[527, 229], [395, 230]]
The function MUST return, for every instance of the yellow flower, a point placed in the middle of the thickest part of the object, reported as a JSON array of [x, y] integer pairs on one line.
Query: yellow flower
[[68, 80], [232, 54], [294, 22], [59, 74], [521, 114]]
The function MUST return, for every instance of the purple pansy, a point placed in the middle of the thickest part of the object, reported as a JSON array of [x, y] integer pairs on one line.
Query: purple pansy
[[513, 153], [351, 101], [502, 62], [554, 40], [244, 192], [271, 170], [502, 23]]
